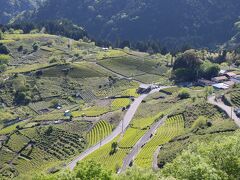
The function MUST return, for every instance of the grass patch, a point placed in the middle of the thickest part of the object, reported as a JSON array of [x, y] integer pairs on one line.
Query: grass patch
[[120, 103]]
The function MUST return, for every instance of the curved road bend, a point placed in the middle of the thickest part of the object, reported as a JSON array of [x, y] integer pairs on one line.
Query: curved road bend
[[122, 126], [137, 147], [229, 110]]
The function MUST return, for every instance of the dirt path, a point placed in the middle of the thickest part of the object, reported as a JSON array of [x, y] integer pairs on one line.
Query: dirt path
[[155, 158]]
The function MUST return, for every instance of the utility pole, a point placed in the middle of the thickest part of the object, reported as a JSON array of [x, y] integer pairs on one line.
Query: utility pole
[[122, 125]]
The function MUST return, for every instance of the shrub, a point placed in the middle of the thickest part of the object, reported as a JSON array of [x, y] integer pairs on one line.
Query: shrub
[[54, 103], [25, 51], [237, 63], [35, 46], [184, 94], [217, 159], [201, 122], [18, 31], [1, 35], [20, 48], [53, 60], [3, 68], [4, 49], [34, 31], [114, 148], [186, 66], [4, 59], [21, 98]]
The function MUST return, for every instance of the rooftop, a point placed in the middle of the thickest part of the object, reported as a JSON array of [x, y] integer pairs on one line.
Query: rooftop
[[221, 86], [220, 78]]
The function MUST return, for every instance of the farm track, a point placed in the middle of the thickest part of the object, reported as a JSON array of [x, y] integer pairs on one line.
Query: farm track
[[155, 158], [229, 110], [119, 129]]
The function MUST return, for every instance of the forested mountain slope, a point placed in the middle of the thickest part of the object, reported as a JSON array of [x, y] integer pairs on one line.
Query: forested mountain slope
[[195, 22], [11, 8]]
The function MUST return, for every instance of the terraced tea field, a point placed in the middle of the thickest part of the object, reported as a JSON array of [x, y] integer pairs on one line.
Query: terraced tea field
[[17, 142], [111, 162], [235, 98], [132, 66], [130, 137], [101, 130], [34, 159], [173, 127], [143, 123], [121, 87]]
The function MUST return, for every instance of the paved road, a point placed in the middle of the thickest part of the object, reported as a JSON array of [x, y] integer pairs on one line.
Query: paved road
[[121, 127], [137, 147], [229, 110]]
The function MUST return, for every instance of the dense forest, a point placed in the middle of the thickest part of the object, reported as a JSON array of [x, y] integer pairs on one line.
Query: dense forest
[[161, 26], [199, 23]]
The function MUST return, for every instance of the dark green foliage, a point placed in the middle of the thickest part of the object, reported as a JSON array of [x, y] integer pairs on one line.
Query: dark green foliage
[[10, 9], [49, 131], [184, 94], [35, 46], [237, 63], [217, 159], [1, 35], [21, 98], [114, 148], [187, 66], [91, 170], [4, 49], [61, 27], [209, 70], [194, 23], [20, 48]]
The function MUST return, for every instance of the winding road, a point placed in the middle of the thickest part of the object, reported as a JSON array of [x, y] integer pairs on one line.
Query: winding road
[[119, 129], [228, 109], [140, 143]]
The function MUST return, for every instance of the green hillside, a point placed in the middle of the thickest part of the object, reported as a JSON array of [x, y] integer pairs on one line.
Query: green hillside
[[59, 97]]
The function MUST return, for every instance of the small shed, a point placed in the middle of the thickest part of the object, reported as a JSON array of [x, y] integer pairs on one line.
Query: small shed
[[67, 113], [230, 74], [144, 88], [222, 72], [221, 86], [205, 82], [219, 79], [229, 83]]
